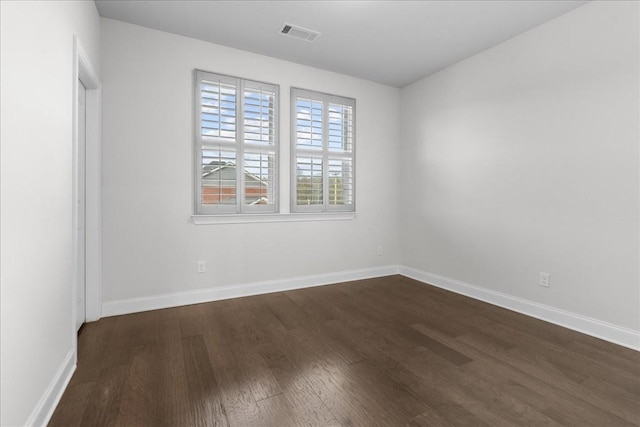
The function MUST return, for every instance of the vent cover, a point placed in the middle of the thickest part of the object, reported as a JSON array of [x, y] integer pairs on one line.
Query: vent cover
[[299, 32]]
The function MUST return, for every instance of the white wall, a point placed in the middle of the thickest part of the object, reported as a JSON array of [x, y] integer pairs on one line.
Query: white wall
[[524, 158], [150, 245], [36, 207]]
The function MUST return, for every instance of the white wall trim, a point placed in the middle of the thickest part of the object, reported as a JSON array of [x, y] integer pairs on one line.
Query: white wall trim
[[84, 71], [277, 217], [43, 411], [597, 328], [134, 305]]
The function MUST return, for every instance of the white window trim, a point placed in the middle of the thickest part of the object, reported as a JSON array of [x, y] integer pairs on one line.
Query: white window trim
[[324, 208], [276, 217], [239, 146]]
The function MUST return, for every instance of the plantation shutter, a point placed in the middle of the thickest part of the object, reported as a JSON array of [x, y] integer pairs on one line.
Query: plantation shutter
[[323, 152], [236, 138]]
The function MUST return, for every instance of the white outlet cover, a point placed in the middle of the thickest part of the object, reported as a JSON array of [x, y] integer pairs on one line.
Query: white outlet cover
[[202, 266], [545, 280]]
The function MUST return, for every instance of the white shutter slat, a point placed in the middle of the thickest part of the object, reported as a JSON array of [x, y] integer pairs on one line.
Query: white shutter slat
[[340, 181], [340, 128], [309, 123], [218, 110], [260, 178], [218, 180], [259, 116], [309, 177]]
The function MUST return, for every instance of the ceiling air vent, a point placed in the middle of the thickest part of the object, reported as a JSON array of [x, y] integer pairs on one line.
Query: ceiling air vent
[[299, 32]]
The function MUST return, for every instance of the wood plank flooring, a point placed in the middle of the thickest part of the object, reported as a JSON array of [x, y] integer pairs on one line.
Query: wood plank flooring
[[378, 352]]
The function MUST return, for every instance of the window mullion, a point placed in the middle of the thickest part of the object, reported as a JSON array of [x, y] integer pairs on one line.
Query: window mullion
[[325, 155], [240, 146]]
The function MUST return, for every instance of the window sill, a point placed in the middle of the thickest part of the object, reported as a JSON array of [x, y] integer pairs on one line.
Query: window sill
[[283, 217]]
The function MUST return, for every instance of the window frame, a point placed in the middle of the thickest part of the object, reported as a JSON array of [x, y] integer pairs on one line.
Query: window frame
[[325, 206], [238, 145]]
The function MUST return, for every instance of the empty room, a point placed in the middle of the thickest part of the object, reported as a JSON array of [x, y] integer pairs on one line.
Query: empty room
[[327, 213]]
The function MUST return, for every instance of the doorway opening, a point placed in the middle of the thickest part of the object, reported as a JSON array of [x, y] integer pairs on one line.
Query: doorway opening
[[86, 287]]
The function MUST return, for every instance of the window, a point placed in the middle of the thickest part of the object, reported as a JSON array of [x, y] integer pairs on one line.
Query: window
[[236, 145], [323, 152]]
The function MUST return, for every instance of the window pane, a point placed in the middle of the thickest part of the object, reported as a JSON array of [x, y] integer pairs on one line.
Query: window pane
[[308, 123], [309, 181], [340, 128], [259, 106], [259, 178], [218, 177], [340, 181], [218, 102]]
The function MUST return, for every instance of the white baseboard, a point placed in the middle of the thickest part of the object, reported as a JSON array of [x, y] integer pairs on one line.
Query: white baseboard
[[599, 329], [134, 305], [606, 331], [43, 411]]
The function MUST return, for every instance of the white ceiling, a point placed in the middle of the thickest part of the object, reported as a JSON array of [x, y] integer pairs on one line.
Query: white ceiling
[[390, 42]]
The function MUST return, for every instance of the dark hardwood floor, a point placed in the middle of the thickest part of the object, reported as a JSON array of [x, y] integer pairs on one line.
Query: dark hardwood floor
[[379, 352]]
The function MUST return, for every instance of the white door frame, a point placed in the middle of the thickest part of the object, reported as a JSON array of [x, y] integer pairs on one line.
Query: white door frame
[[81, 299], [84, 71]]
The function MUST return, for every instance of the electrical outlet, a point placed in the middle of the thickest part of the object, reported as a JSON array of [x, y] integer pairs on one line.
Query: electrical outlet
[[379, 251], [545, 280], [202, 266]]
